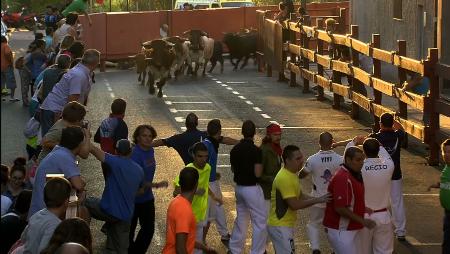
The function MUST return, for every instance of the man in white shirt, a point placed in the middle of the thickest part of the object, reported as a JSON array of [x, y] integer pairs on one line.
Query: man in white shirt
[[322, 167], [377, 172]]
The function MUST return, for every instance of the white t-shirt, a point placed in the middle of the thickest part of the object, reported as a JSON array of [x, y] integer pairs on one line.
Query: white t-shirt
[[377, 173], [322, 166], [6, 204]]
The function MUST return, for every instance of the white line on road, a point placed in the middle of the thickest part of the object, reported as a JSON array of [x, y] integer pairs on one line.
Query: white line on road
[[257, 109], [242, 97], [168, 102], [236, 82], [415, 242], [266, 116], [191, 102], [109, 89], [230, 88], [219, 82], [173, 110], [214, 79], [223, 166], [180, 119], [224, 154], [224, 85], [249, 102], [421, 194], [234, 92], [195, 110], [112, 95]]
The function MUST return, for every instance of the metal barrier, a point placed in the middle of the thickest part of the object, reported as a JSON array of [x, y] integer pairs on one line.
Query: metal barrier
[[301, 55]]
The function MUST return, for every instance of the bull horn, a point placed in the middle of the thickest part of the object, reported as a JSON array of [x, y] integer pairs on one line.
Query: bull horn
[[132, 56], [186, 32]]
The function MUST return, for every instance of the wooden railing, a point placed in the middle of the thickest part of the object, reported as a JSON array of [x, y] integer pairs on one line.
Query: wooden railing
[[274, 50]]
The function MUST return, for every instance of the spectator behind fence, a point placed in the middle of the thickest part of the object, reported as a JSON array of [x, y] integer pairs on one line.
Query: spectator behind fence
[[62, 160], [13, 223], [7, 69], [53, 75], [36, 63], [73, 230], [43, 223], [25, 74], [6, 202], [75, 85], [63, 47], [50, 18], [49, 39], [76, 51], [72, 115], [68, 28], [16, 182], [78, 6]]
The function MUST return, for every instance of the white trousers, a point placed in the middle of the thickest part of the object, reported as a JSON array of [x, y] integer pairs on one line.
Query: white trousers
[[344, 241], [250, 204], [216, 212], [398, 209], [199, 235], [314, 226], [282, 239], [380, 239]]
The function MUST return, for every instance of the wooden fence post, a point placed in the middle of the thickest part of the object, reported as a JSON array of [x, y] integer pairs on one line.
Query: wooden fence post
[[355, 82], [430, 73], [305, 61], [376, 74], [402, 107], [293, 40], [319, 50]]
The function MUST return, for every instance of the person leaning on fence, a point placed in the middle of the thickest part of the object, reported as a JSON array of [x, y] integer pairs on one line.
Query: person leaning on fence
[[444, 194], [125, 179], [78, 6]]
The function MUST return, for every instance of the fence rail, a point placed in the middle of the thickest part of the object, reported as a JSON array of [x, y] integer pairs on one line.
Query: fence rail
[[293, 39]]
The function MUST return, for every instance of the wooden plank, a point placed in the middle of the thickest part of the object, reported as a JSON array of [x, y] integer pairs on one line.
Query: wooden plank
[[323, 36], [323, 82], [443, 70], [378, 110], [412, 128], [362, 76], [362, 101], [293, 27], [362, 47], [340, 39], [325, 61], [310, 54], [294, 68], [442, 107], [409, 64], [383, 86], [342, 90], [413, 100], [309, 75], [382, 55], [341, 67], [294, 49]]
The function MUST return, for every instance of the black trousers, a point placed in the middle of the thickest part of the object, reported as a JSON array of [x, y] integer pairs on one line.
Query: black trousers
[[145, 213]]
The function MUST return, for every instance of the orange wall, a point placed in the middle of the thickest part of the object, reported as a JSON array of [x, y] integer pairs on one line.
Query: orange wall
[[119, 34]]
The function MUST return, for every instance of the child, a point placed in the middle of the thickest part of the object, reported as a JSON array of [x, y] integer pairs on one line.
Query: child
[[49, 39], [112, 129], [31, 133]]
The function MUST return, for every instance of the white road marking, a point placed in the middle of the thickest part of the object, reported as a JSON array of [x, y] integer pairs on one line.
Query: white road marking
[[421, 194], [257, 109], [195, 110], [109, 89], [180, 119], [224, 154], [229, 88], [219, 82], [164, 96], [266, 116], [173, 110], [234, 92], [306, 128], [183, 128], [214, 79], [191, 102], [112, 95], [249, 102], [275, 122], [236, 82], [415, 242], [224, 85], [242, 97], [223, 166], [168, 102]]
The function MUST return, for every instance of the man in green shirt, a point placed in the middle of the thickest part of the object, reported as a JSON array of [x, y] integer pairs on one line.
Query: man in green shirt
[[286, 199], [78, 6], [444, 194]]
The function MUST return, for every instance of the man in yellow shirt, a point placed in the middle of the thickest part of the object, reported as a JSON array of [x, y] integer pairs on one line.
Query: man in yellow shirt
[[286, 199], [200, 201]]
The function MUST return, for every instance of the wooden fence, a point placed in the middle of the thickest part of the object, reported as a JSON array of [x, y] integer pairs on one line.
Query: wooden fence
[[274, 50]]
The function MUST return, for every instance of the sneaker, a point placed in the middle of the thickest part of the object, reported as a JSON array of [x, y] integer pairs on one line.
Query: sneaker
[[401, 238]]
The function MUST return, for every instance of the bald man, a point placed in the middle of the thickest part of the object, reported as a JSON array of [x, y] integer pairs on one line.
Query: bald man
[[322, 166], [72, 248]]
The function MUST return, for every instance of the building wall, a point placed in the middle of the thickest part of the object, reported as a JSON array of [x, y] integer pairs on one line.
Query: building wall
[[377, 17]]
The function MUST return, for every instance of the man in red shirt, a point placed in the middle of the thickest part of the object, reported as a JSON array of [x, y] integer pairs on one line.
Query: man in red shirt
[[344, 215], [7, 69]]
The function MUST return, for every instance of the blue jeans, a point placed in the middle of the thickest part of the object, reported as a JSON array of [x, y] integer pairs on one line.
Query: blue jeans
[[47, 121], [446, 241]]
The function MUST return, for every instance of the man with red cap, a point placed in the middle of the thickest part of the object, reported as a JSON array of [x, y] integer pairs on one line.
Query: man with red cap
[[271, 159]]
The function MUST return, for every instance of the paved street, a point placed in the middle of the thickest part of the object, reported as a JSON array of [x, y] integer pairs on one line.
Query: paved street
[[233, 97]]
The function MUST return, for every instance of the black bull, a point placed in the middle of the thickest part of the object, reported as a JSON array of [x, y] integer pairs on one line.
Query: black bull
[[241, 45]]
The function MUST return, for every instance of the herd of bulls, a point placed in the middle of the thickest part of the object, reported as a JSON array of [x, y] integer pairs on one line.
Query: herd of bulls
[[162, 58]]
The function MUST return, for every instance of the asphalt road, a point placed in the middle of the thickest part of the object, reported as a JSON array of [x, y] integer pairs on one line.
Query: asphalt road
[[233, 97]]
